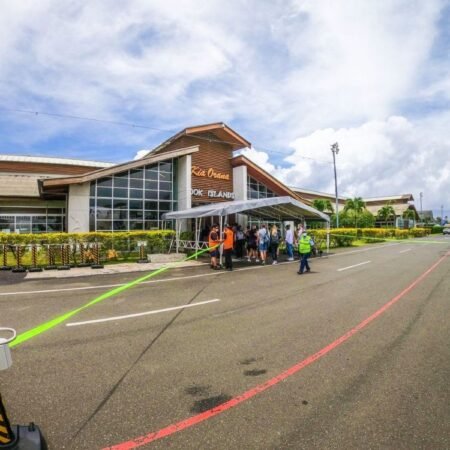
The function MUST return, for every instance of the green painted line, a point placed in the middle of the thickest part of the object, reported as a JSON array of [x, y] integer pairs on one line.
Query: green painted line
[[42, 328], [409, 241]]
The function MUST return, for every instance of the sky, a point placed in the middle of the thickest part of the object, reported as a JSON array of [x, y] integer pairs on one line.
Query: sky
[[291, 76]]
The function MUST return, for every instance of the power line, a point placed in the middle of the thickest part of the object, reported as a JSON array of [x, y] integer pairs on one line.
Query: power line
[[92, 119], [132, 125]]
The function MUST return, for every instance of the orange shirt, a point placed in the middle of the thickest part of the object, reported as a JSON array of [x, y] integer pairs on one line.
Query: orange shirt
[[229, 239]]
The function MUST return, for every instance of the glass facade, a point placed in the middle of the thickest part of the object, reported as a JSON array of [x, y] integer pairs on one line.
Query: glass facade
[[255, 189], [134, 199], [45, 221]]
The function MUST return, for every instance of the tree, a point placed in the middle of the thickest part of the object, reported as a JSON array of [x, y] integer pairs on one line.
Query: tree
[[386, 212], [322, 204], [409, 214], [355, 205]]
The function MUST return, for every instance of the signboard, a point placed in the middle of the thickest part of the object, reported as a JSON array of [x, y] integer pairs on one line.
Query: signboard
[[210, 193], [209, 173]]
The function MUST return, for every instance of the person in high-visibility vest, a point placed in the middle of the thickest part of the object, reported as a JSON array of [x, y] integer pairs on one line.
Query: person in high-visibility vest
[[213, 243], [228, 244], [305, 244]]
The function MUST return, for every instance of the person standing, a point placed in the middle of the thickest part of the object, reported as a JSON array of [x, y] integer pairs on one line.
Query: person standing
[[289, 239], [213, 244], [274, 242], [263, 243], [240, 242], [305, 245], [228, 243]]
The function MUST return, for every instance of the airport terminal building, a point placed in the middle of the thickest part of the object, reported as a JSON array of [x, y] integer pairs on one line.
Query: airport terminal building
[[196, 166]]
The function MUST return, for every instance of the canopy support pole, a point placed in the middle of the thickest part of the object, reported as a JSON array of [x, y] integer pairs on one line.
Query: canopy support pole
[[177, 234], [220, 238]]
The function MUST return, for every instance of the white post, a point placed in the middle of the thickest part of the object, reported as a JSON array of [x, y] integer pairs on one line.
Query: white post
[[328, 238], [177, 233]]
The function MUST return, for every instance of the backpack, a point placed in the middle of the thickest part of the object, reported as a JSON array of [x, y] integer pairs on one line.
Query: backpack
[[275, 238]]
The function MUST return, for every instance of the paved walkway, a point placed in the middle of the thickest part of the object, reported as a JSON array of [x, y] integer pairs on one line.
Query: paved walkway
[[108, 269]]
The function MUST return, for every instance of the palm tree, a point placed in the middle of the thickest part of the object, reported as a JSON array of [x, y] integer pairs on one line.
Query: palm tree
[[356, 205], [409, 214], [322, 204], [386, 212]]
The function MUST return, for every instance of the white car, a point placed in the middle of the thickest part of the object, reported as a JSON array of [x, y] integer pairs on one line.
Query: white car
[[446, 229]]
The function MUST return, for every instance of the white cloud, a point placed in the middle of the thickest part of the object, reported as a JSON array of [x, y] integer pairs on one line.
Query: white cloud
[[378, 158], [305, 72]]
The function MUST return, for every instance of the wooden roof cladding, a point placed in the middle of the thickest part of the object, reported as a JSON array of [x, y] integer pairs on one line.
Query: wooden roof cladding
[[265, 178], [43, 168], [222, 132], [119, 168]]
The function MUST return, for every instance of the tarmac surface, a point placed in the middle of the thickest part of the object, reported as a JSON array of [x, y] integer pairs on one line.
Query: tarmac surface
[[354, 354]]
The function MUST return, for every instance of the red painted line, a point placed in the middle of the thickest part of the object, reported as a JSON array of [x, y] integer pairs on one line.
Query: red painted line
[[194, 420]]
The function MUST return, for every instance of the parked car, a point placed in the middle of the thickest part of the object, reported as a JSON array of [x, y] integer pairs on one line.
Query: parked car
[[446, 229]]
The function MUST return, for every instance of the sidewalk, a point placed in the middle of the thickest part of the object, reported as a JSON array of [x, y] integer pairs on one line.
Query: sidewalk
[[108, 269]]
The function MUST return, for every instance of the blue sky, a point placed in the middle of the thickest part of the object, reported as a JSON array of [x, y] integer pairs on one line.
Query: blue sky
[[291, 76]]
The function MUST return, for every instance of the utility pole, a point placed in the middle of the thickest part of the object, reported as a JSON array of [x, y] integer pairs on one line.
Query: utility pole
[[442, 214], [335, 151], [421, 211]]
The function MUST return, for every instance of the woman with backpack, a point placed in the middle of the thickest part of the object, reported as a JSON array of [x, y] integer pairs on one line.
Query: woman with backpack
[[274, 242]]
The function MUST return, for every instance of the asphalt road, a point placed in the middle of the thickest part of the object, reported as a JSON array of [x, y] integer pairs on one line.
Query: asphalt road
[[262, 359]]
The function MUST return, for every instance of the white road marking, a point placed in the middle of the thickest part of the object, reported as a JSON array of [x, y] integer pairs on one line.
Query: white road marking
[[147, 313], [407, 250], [166, 280], [355, 265]]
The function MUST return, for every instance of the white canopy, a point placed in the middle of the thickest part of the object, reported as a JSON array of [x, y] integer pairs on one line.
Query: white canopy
[[279, 208]]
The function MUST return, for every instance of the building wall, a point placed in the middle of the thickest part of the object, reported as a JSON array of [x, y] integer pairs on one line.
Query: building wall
[[78, 208], [214, 160]]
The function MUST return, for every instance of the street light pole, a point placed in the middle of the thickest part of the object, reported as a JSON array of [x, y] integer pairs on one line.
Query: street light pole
[[335, 151], [421, 211]]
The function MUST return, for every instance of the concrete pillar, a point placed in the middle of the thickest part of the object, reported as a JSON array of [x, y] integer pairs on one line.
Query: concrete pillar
[[240, 191], [78, 208], [184, 186]]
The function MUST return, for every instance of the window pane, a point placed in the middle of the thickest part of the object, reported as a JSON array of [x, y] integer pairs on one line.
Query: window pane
[[92, 203], [137, 173], [165, 186], [151, 195], [121, 214], [136, 204], [104, 182], [103, 225], [136, 184], [104, 203], [165, 206], [151, 205], [120, 204], [120, 193], [152, 225], [54, 227], [38, 228], [151, 174], [151, 215], [104, 214], [136, 225], [136, 214], [104, 192], [54, 219], [136, 193], [120, 225], [165, 166], [120, 181], [92, 189], [165, 195], [152, 185]]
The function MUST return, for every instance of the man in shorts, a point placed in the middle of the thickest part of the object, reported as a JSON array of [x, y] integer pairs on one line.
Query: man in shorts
[[214, 243], [263, 242]]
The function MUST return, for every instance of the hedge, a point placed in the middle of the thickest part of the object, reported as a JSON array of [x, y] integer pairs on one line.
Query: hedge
[[113, 246], [345, 237]]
